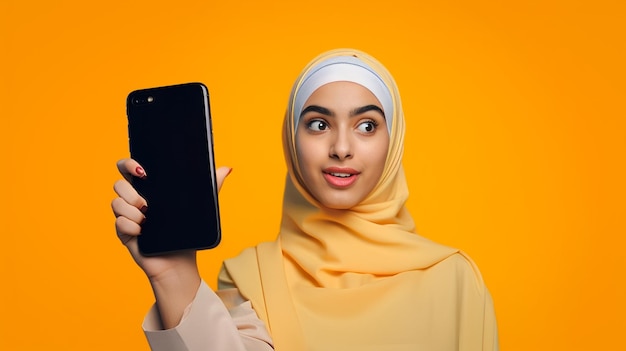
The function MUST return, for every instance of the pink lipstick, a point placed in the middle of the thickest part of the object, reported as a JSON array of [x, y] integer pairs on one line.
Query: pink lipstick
[[340, 177]]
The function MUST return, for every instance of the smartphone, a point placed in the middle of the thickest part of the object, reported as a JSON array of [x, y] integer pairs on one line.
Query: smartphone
[[170, 135]]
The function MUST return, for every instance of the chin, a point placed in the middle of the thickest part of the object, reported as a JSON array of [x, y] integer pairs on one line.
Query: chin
[[338, 204]]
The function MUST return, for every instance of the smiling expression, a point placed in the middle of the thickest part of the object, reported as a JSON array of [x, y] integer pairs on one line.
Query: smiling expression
[[341, 143]]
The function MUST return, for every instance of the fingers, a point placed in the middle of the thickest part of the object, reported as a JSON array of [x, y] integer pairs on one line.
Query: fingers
[[220, 174], [128, 218], [130, 168], [128, 209], [126, 229], [121, 208], [126, 191]]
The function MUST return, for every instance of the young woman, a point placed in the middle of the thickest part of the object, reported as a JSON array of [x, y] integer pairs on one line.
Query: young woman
[[347, 270]]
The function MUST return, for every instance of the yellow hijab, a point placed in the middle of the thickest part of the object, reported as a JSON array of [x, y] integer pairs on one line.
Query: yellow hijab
[[361, 279]]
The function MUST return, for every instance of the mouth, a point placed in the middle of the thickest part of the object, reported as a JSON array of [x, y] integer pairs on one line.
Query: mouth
[[340, 177]]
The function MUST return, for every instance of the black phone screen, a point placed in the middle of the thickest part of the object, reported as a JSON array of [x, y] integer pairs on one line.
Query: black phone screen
[[170, 136]]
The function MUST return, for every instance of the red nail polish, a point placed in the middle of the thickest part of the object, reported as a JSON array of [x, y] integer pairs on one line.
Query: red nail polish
[[144, 209], [140, 172]]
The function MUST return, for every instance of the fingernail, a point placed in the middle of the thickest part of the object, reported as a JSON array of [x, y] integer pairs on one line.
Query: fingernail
[[144, 209], [140, 172]]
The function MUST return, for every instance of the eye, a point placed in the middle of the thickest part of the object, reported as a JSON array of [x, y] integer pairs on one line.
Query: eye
[[317, 125], [367, 127]]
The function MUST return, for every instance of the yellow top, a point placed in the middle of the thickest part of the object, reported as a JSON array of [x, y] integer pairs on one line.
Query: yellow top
[[362, 279]]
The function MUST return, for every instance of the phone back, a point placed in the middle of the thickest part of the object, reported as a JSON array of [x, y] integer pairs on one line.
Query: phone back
[[170, 136]]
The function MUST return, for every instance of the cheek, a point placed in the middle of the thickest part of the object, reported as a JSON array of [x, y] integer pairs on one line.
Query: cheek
[[305, 158], [301, 154], [377, 151], [379, 158]]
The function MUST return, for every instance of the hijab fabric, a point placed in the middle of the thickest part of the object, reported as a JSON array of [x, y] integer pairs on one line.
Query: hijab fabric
[[360, 278]]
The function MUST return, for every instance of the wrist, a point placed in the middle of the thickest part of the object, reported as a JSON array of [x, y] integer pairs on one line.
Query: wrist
[[174, 289], [180, 266], [176, 279], [178, 283]]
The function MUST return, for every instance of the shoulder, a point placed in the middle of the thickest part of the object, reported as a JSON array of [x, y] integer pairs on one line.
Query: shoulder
[[242, 273], [246, 261], [460, 268]]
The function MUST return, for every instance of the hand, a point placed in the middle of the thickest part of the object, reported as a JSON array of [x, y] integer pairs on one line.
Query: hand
[[129, 208], [174, 277]]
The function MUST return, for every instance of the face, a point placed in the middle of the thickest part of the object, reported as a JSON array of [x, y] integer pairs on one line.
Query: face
[[341, 143]]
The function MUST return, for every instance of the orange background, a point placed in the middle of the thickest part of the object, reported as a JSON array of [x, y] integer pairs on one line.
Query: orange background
[[515, 148]]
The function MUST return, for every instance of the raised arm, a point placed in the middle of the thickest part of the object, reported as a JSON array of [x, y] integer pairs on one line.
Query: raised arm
[[174, 277]]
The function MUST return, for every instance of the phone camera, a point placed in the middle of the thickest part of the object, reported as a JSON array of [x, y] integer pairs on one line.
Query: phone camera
[[143, 100]]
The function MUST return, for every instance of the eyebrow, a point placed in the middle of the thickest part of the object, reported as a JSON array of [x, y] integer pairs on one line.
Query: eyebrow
[[355, 112], [318, 109], [366, 108]]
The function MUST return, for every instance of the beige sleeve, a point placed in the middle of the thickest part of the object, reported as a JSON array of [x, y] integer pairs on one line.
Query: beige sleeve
[[213, 321]]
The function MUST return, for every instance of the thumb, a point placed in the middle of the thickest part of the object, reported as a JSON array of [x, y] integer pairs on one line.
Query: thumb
[[220, 175]]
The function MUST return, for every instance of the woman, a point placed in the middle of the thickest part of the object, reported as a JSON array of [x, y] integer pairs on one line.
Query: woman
[[347, 270]]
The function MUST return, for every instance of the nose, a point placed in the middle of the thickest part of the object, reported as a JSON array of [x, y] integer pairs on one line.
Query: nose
[[341, 146]]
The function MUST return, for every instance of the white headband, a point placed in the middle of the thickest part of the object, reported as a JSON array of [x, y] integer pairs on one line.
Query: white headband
[[349, 69]]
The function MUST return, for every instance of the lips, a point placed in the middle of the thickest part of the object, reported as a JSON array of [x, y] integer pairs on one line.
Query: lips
[[339, 177]]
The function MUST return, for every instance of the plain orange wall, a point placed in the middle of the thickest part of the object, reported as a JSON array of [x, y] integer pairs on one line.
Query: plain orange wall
[[515, 148]]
